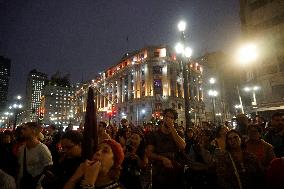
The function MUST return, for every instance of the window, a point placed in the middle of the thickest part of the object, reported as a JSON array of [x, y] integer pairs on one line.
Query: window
[[158, 88], [156, 54], [158, 106], [278, 91], [157, 83], [157, 69], [179, 106]]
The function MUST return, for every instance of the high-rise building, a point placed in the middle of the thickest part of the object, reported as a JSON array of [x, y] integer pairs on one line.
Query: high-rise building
[[58, 103], [141, 85], [5, 66], [262, 22], [35, 83]]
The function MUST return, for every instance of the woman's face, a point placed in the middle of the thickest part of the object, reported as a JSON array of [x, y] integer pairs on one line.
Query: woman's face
[[105, 155], [70, 149], [101, 128], [135, 139], [234, 140]]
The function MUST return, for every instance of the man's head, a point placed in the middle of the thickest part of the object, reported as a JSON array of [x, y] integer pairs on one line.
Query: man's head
[[124, 123], [51, 129], [71, 144], [242, 119], [102, 126], [169, 117], [30, 130], [171, 112], [276, 120]]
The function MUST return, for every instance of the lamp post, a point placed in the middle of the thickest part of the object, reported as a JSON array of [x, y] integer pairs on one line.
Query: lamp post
[[213, 94], [8, 114], [246, 54], [185, 53], [253, 90], [16, 107]]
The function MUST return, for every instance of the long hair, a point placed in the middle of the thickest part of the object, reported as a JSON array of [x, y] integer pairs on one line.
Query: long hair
[[243, 145]]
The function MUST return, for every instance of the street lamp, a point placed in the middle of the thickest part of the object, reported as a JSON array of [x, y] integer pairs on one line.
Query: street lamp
[[213, 94], [181, 26], [212, 80], [16, 107], [245, 55], [185, 52], [253, 90]]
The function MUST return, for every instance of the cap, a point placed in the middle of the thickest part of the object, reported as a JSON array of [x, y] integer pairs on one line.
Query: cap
[[116, 150]]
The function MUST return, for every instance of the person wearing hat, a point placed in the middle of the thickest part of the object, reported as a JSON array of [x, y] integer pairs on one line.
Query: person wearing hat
[[102, 171]]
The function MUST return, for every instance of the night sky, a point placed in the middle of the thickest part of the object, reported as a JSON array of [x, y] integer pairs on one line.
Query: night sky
[[84, 37]]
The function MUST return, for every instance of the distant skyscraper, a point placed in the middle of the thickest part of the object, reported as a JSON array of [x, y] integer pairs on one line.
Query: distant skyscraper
[[5, 65], [36, 81]]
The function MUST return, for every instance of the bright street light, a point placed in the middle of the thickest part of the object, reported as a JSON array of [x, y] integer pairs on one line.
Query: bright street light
[[179, 48], [181, 26], [213, 93], [187, 52], [19, 97], [238, 106], [212, 80], [247, 53], [254, 88]]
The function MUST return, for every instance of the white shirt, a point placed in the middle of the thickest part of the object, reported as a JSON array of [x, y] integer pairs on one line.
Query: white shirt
[[37, 159]]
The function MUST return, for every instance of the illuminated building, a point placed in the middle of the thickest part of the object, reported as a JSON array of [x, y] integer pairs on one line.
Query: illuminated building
[[5, 66], [57, 105], [262, 23], [35, 83], [141, 85]]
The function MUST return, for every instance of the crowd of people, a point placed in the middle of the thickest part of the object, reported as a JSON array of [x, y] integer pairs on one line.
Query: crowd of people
[[144, 157]]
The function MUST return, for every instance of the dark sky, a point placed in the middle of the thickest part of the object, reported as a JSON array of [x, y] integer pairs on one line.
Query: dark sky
[[84, 37]]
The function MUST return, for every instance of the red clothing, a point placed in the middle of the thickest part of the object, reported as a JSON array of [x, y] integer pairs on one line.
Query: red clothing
[[275, 173]]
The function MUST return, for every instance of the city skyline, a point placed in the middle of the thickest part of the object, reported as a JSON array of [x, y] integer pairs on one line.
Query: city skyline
[[84, 38]]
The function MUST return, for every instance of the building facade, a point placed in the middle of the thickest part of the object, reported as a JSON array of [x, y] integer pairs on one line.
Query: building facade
[[35, 83], [57, 105], [141, 85], [217, 66], [5, 67], [262, 22]]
